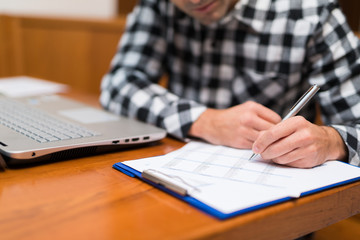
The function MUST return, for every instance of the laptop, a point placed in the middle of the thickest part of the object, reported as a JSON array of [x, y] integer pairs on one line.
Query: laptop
[[52, 128]]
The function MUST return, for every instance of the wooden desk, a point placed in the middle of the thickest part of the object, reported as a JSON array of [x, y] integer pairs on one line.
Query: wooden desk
[[87, 199]]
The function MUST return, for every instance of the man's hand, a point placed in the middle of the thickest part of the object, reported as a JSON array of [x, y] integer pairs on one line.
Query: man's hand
[[238, 126], [298, 143]]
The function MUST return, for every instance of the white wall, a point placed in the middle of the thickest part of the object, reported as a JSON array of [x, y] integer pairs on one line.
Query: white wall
[[62, 8]]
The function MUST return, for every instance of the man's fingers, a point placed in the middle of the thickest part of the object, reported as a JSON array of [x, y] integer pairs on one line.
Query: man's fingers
[[275, 134], [268, 115]]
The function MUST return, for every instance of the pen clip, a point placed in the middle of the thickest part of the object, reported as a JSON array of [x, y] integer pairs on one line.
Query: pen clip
[[181, 187]]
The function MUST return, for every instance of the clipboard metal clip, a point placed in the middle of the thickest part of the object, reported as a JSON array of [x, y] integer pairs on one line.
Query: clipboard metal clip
[[173, 183]]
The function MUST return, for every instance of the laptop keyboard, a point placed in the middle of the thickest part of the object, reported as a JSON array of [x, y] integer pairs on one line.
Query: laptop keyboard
[[38, 125]]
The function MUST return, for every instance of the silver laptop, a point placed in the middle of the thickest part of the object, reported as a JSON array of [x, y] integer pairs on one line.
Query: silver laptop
[[51, 128]]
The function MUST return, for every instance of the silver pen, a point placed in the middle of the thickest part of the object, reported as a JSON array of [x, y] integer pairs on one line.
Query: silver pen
[[297, 106]]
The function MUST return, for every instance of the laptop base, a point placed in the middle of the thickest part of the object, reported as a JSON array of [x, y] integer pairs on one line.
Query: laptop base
[[72, 154]]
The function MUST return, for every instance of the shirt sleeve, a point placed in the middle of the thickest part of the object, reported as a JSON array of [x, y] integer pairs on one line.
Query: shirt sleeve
[[335, 66], [131, 87]]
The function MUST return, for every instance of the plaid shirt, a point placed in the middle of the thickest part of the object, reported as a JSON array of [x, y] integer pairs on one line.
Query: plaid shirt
[[268, 51]]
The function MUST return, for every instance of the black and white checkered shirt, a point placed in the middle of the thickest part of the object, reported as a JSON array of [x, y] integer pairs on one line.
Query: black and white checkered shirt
[[268, 51]]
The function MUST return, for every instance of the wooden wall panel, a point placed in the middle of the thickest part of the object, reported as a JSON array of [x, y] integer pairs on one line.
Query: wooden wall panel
[[125, 6], [10, 47], [57, 55], [74, 52], [101, 56]]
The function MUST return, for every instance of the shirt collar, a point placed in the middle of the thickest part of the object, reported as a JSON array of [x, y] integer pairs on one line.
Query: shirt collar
[[249, 12]]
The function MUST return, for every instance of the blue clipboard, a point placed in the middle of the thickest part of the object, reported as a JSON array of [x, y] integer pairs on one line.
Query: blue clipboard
[[168, 184], [196, 203], [210, 210]]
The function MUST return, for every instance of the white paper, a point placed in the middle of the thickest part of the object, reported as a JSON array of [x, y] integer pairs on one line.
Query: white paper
[[226, 180], [23, 86]]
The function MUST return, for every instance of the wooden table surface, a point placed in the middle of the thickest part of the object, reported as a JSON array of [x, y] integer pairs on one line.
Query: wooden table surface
[[86, 198]]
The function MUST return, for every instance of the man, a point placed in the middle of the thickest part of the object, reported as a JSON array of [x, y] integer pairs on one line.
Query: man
[[235, 67]]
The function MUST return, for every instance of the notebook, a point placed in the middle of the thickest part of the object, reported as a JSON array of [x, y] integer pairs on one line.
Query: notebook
[[52, 127]]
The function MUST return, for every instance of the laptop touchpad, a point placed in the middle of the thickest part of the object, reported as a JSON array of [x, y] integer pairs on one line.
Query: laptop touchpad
[[88, 115]]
